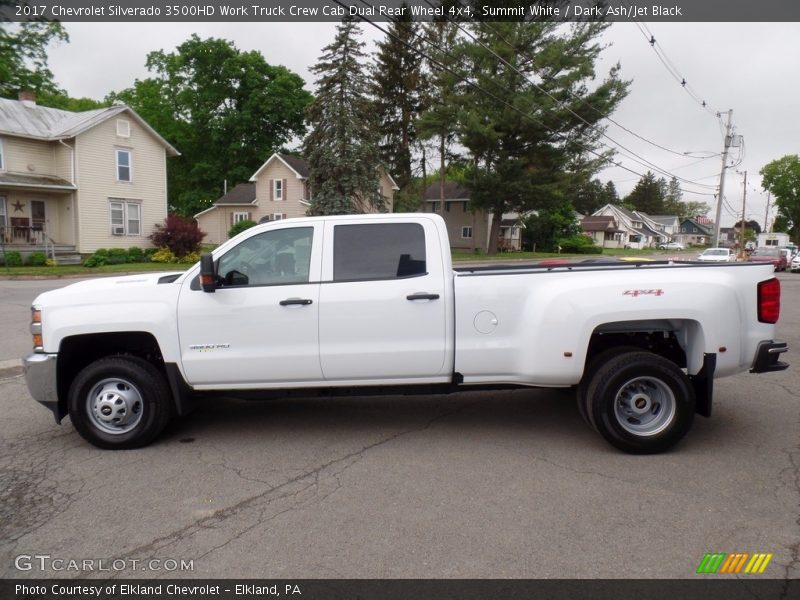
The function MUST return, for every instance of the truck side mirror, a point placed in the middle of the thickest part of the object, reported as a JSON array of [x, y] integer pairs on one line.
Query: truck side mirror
[[208, 276]]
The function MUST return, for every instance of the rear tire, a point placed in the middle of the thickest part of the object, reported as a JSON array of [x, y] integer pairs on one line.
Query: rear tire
[[119, 402], [640, 402]]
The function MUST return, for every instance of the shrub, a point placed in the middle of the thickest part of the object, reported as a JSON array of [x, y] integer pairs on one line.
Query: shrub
[[190, 258], [135, 254], [181, 235], [51, 263], [13, 259], [117, 256], [240, 227], [98, 259], [579, 244], [164, 255], [37, 259]]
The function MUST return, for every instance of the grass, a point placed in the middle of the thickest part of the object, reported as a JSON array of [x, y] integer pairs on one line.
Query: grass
[[78, 270]]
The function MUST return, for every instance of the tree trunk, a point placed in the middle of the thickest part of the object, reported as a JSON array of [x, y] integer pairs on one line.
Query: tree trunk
[[494, 231], [422, 202], [442, 174]]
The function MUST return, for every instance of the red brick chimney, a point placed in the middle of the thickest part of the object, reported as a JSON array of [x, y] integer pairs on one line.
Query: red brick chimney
[[27, 96]]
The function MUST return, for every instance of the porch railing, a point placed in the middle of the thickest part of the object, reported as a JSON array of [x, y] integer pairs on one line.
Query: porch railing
[[23, 234]]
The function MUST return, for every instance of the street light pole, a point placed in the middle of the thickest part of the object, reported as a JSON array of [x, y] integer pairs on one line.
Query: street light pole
[[742, 229], [721, 194]]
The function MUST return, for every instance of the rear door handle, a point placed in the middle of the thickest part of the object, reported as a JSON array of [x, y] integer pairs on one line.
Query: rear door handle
[[292, 301], [422, 296]]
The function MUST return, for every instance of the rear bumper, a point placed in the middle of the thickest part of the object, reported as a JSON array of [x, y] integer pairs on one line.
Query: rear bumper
[[40, 375], [767, 357]]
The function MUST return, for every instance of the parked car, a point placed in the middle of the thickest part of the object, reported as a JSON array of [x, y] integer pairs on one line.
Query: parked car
[[770, 255], [671, 246], [795, 264], [717, 255], [750, 246]]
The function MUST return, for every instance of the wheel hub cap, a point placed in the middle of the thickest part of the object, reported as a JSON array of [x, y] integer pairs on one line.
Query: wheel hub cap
[[645, 406], [115, 406]]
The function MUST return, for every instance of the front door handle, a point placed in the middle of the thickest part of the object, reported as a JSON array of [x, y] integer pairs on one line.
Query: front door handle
[[422, 296], [293, 301]]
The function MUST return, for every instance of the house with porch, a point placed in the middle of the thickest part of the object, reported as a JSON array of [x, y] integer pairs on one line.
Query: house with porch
[[637, 229], [603, 230], [469, 229], [279, 189], [73, 182]]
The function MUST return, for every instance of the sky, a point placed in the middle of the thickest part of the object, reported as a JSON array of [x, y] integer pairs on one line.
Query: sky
[[751, 68]]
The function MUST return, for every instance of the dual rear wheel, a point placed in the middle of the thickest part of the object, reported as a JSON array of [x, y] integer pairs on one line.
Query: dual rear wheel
[[638, 401]]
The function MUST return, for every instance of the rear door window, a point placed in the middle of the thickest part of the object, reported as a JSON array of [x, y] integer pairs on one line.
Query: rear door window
[[378, 251]]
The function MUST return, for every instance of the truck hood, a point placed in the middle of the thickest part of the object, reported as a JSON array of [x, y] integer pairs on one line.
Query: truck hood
[[107, 289]]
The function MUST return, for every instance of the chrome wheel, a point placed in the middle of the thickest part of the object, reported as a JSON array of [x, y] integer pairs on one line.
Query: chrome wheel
[[114, 406], [644, 406]]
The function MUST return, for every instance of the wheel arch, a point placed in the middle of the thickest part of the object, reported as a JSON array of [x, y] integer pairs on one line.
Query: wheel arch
[[682, 341], [78, 351]]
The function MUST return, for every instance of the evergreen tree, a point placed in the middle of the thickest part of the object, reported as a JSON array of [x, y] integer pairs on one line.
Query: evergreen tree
[[342, 147], [611, 195], [529, 142], [398, 83], [438, 121], [648, 195]]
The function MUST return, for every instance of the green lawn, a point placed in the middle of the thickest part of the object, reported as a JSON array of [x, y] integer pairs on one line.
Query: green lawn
[[460, 255], [78, 270]]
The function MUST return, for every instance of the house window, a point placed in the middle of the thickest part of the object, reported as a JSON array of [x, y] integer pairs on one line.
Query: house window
[[240, 216], [466, 233], [277, 189], [123, 165], [123, 128], [2, 212], [435, 206], [278, 216], [771, 242], [126, 217]]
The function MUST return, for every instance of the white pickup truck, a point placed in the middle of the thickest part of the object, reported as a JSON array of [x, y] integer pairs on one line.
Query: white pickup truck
[[370, 304]]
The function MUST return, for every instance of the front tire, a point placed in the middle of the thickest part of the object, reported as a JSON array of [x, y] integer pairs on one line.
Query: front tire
[[119, 402], [640, 402]]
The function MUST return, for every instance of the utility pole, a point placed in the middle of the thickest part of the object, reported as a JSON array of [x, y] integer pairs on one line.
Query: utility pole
[[721, 194], [742, 230], [766, 214]]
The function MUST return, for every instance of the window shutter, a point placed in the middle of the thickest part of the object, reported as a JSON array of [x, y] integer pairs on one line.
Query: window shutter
[[283, 190], [271, 190]]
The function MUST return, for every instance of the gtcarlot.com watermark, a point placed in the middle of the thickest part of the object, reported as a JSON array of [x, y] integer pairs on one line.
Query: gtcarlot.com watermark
[[48, 563]]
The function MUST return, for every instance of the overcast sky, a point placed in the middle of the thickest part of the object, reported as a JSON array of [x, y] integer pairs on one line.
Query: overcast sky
[[751, 68]]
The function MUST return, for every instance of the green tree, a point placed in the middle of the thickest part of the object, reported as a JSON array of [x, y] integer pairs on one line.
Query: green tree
[[648, 195], [398, 90], [611, 194], [543, 229], [672, 197], [23, 57], [226, 110], [781, 177], [438, 121], [342, 146], [539, 130], [692, 209]]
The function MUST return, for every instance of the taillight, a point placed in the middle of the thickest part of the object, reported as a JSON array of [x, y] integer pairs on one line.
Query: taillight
[[769, 301]]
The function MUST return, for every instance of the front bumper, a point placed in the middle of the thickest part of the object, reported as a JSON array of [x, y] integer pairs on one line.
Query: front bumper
[[40, 375], [767, 357]]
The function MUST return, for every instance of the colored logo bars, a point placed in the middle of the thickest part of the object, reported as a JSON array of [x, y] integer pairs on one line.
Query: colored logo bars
[[737, 562]]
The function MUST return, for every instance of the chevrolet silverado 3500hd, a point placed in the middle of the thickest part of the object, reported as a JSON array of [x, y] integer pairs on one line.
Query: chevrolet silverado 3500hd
[[371, 304]]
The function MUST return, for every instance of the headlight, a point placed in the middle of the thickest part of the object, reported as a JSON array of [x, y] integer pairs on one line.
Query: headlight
[[36, 328]]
